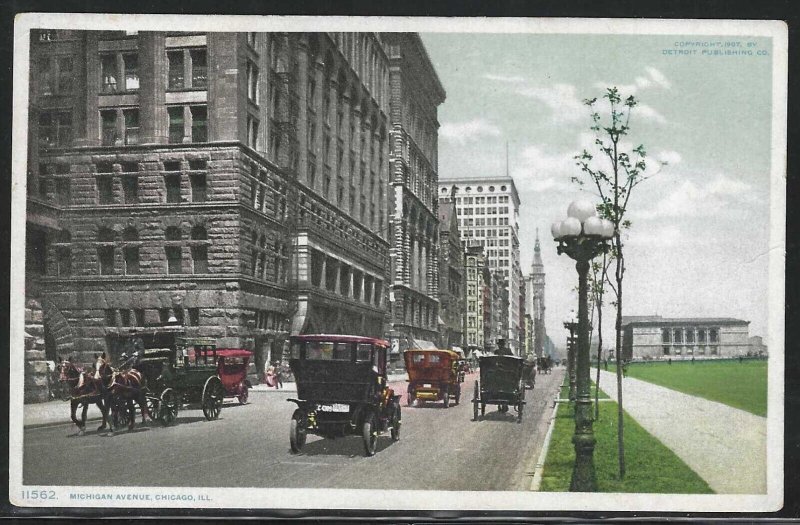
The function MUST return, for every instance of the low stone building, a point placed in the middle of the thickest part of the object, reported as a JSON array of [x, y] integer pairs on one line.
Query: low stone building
[[656, 337]]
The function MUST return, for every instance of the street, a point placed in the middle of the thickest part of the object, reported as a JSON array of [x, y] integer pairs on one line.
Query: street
[[248, 446]]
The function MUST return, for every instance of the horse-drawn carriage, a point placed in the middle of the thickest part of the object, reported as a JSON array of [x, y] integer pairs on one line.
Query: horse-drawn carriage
[[544, 364], [342, 390], [501, 383]]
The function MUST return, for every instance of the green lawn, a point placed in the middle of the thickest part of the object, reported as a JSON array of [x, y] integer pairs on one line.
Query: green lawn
[[651, 466], [740, 385]]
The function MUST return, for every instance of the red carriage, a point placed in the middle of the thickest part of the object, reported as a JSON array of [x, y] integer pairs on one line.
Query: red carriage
[[232, 366]]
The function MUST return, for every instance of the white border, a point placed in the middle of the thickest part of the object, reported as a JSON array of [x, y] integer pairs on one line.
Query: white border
[[413, 500]]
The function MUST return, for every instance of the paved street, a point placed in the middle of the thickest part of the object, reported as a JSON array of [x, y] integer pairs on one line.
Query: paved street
[[249, 447]]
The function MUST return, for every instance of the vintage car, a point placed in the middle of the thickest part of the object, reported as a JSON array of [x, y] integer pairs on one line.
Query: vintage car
[[342, 389], [232, 366], [433, 375], [501, 383]]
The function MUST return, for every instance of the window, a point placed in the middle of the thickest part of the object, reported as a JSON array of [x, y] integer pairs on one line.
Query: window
[[665, 350], [63, 261], [138, 314], [111, 317], [199, 68], [175, 124], [125, 317], [105, 255], [200, 259], [55, 128], [130, 189], [690, 336], [109, 127], [701, 336], [198, 182], [173, 184], [173, 259], [131, 256], [252, 132], [194, 317], [55, 76], [108, 72], [713, 335], [131, 64], [63, 190], [199, 123], [175, 66], [131, 117], [252, 82], [105, 190]]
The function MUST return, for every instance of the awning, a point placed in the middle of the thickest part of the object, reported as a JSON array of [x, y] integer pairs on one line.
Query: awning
[[422, 344]]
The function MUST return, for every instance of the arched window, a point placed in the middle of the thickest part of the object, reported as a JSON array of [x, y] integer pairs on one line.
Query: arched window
[[172, 233], [130, 252], [106, 235], [130, 234], [105, 250], [199, 233], [173, 250]]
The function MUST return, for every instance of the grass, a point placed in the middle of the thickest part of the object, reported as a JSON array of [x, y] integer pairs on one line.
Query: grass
[[565, 392], [740, 385], [651, 467]]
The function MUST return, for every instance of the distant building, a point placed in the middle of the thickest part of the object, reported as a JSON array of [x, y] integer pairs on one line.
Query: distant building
[[452, 288], [535, 307], [757, 346], [488, 211], [656, 337], [477, 286]]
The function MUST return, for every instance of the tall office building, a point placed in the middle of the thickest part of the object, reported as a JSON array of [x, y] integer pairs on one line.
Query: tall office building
[[535, 307], [238, 182], [488, 211]]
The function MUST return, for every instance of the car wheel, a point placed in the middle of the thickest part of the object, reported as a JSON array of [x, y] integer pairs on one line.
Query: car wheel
[[297, 431], [446, 397], [369, 431], [396, 423]]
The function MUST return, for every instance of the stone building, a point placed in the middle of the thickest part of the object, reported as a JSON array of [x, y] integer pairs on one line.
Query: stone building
[[238, 182], [488, 211], [452, 289], [477, 297], [415, 93], [535, 307], [656, 337]]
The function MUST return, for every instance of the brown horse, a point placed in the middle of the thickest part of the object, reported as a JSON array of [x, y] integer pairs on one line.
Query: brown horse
[[123, 388], [84, 390]]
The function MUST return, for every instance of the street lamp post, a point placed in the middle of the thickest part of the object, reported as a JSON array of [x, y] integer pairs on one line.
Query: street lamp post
[[583, 236], [572, 326]]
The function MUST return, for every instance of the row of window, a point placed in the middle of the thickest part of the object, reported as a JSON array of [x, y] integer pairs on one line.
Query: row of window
[[479, 189], [120, 126], [478, 200], [689, 350], [492, 210], [687, 335], [342, 279], [484, 221]]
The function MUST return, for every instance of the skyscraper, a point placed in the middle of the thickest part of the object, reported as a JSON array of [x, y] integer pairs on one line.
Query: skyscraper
[[534, 294]]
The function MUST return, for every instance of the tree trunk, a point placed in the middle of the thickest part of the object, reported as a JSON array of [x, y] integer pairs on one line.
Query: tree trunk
[[620, 430], [599, 354]]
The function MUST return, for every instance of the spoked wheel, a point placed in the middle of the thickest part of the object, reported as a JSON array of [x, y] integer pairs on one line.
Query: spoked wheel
[[168, 407], [153, 406], [483, 409], [120, 417], [213, 394], [446, 397], [475, 401], [396, 423], [297, 431], [458, 394], [519, 412], [243, 395], [369, 432], [503, 408], [410, 397]]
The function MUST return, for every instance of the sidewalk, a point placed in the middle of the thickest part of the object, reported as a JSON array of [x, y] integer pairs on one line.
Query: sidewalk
[[725, 446], [57, 412]]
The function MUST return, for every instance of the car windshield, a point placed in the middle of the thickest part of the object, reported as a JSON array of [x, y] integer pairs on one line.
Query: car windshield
[[363, 352], [325, 351]]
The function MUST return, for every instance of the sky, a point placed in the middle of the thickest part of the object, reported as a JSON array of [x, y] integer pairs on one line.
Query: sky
[[698, 243]]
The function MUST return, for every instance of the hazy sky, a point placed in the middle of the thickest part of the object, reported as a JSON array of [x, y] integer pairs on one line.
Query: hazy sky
[[699, 241]]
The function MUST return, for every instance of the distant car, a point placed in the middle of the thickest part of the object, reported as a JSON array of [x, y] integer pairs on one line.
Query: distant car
[[501, 383], [342, 390], [232, 366], [433, 375]]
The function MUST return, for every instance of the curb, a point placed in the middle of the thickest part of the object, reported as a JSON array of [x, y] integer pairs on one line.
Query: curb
[[537, 470]]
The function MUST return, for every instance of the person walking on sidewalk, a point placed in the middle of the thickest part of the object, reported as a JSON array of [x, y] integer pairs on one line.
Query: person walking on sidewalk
[[278, 375]]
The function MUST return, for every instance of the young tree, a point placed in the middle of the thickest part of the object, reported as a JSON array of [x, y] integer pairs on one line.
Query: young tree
[[599, 277], [614, 173]]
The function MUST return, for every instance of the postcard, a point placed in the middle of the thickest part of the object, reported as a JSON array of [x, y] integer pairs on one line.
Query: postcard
[[397, 264]]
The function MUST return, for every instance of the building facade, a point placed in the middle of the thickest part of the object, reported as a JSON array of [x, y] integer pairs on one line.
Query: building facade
[[488, 211], [477, 297], [452, 287], [415, 94], [535, 307], [656, 337], [239, 182]]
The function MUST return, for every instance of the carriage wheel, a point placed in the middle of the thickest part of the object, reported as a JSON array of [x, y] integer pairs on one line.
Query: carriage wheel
[[297, 431], [153, 406], [243, 395], [458, 394], [168, 407], [410, 395], [519, 412], [120, 417], [446, 397], [213, 394], [475, 402], [503, 408], [369, 431], [396, 423]]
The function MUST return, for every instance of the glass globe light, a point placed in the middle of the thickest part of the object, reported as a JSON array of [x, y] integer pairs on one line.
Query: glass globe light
[[593, 226], [555, 229], [570, 227], [581, 209]]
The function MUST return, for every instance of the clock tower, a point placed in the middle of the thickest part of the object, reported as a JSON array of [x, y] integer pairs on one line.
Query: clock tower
[[534, 294]]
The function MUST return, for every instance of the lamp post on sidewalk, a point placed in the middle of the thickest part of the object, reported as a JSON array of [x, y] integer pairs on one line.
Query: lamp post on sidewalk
[[583, 236], [572, 326]]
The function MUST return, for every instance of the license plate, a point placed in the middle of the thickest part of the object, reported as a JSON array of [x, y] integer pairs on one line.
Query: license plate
[[335, 407], [427, 385]]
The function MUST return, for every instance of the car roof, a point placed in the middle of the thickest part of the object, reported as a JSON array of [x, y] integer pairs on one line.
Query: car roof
[[338, 338], [233, 352], [434, 351]]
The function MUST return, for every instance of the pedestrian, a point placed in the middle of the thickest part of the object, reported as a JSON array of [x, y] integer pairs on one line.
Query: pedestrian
[[669, 361], [625, 368], [278, 376], [605, 363], [692, 359], [269, 374]]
